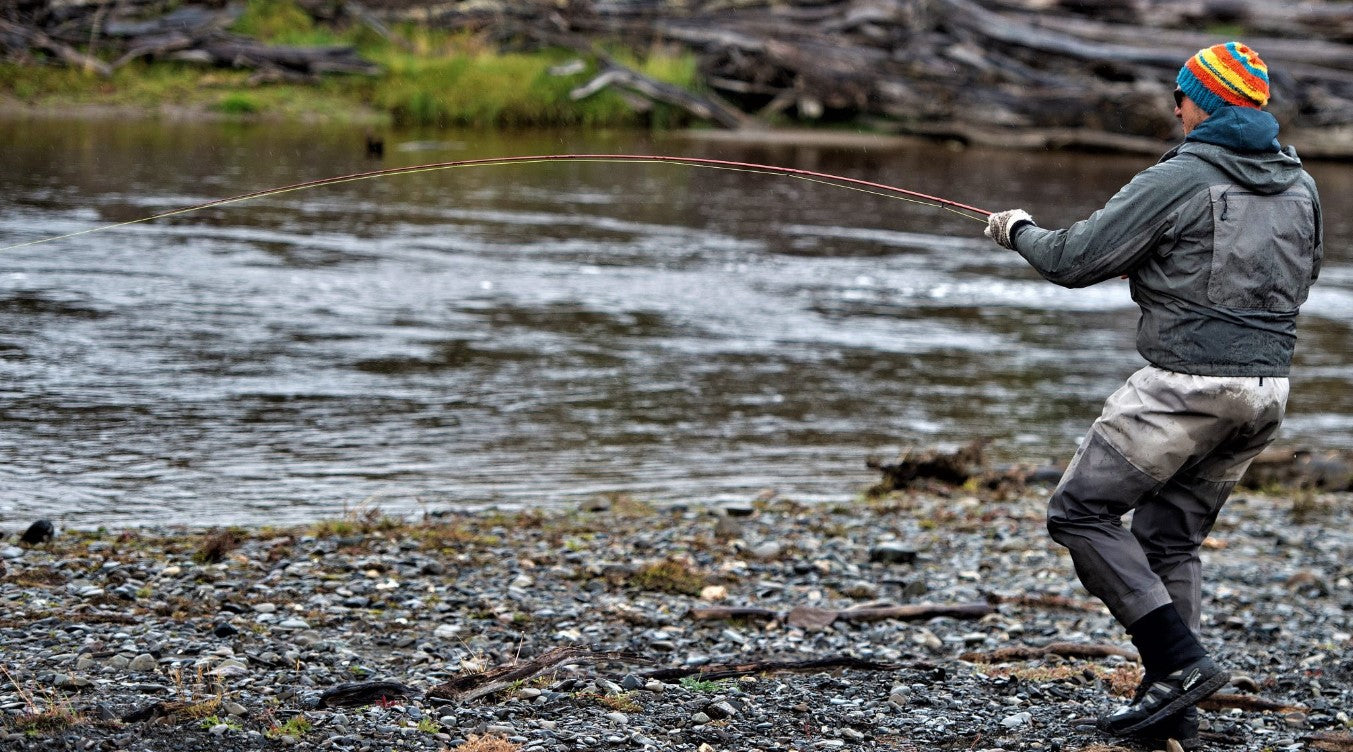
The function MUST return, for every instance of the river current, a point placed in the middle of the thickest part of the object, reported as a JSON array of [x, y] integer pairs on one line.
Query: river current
[[543, 334]]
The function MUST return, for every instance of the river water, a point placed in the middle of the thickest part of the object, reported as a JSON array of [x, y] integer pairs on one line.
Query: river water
[[542, 334]]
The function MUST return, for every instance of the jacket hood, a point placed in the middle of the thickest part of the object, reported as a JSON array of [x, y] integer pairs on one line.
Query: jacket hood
[[1243, 143]]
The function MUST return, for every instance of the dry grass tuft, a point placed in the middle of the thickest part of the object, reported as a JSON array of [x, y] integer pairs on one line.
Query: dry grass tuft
[[669, 576], [1122, 680], [51, 720], [487, 743], [215, 546]]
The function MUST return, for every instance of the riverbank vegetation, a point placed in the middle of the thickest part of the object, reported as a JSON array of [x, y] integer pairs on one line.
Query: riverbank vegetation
[[1006, 73], [423, 77]]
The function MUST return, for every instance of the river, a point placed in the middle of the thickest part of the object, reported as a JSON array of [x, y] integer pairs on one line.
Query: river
[[542, 334]]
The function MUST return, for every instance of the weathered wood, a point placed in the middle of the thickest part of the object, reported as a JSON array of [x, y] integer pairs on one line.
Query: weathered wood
[[819, 618], [701, 107], [357, 694], [1047, 600], [1062, 649], [473, 686], [718, 613], [1227, 700], [730, 670], [38, 39], [1330, 742], [1084, 74]]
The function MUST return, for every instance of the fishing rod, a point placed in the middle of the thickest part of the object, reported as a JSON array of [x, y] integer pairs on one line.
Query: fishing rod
[[825, 178]]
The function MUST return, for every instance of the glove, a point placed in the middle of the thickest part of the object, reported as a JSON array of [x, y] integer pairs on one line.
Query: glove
[[1001, 226]]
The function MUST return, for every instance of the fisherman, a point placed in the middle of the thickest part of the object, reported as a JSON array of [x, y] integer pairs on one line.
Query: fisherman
[[1221, 241]]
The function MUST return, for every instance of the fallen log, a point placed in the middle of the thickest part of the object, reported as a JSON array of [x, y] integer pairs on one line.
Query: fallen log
[[701, 108], [36, 38], [357, 694], [241, 52]]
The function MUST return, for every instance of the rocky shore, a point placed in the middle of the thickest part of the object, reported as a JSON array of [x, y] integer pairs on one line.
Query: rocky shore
[[602, 628]]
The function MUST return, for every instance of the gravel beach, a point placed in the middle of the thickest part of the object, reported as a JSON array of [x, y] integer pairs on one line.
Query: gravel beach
[[181, 639]]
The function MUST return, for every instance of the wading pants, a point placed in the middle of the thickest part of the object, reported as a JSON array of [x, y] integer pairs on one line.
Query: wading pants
[[1168, 447]]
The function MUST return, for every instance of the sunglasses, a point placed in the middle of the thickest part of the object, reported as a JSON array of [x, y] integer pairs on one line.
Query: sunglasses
[[1178, 97]]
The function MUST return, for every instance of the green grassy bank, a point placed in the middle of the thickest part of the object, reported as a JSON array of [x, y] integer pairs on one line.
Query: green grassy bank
[[431, 78]]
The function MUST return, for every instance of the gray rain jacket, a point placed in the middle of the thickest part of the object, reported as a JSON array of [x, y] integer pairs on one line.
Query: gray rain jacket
[[1221, 241]]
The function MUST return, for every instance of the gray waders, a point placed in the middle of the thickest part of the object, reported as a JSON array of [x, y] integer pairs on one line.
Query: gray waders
[[1168, 447]]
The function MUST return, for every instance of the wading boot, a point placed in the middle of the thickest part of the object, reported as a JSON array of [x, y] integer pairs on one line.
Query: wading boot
[[1166, 697], [1182, 727]]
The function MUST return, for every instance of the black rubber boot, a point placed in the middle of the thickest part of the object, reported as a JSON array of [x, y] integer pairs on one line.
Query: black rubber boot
[[1166, 697], [1182, 727]]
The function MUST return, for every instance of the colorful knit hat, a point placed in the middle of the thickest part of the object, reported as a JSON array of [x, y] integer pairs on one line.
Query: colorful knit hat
[[1225, 74]]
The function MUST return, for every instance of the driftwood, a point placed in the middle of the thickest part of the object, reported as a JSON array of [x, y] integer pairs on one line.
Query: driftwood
[[1089, 74], [703, 108], [193, 34], [953, 468], [1300, 468], [473, 686], [1330, 742], [820, 618], [730, 670], [357, 694], [1063, 649], [1046, 600], [39, 40], [1226, 700]]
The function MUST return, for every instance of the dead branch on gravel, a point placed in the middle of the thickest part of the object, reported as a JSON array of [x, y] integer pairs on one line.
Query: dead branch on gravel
[[1046, 600], [810, 617], [730, 670], [1063, 649], [1330, 742], [1226, 700], [358, 694], [479, 684]]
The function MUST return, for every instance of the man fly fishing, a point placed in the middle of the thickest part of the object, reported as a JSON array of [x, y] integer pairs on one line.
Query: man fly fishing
[[1221, 240]]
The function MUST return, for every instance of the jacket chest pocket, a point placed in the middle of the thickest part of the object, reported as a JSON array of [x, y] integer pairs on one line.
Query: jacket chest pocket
[[1263, 249]]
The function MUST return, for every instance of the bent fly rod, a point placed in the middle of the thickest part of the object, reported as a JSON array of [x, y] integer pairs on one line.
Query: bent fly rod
[[837, 181]]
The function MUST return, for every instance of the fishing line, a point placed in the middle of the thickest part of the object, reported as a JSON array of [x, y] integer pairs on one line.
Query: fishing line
[[811, 176]]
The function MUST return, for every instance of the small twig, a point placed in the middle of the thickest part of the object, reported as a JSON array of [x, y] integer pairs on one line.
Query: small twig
[[27, 697]]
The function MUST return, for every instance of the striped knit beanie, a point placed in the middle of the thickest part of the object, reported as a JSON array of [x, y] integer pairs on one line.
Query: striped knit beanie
[[1225, 74]]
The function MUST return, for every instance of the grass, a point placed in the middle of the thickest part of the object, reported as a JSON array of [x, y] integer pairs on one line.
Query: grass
[[696, 684], [436, 78], [295, 728], [669, 576]]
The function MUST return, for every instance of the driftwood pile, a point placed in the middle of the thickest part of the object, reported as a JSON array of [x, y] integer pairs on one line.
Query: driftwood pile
[[1088, 73], [1275, 468], [1034, 73], [101, 36]]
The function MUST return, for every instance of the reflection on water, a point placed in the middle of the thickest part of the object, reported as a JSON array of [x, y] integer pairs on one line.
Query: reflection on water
[[539, 333]]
